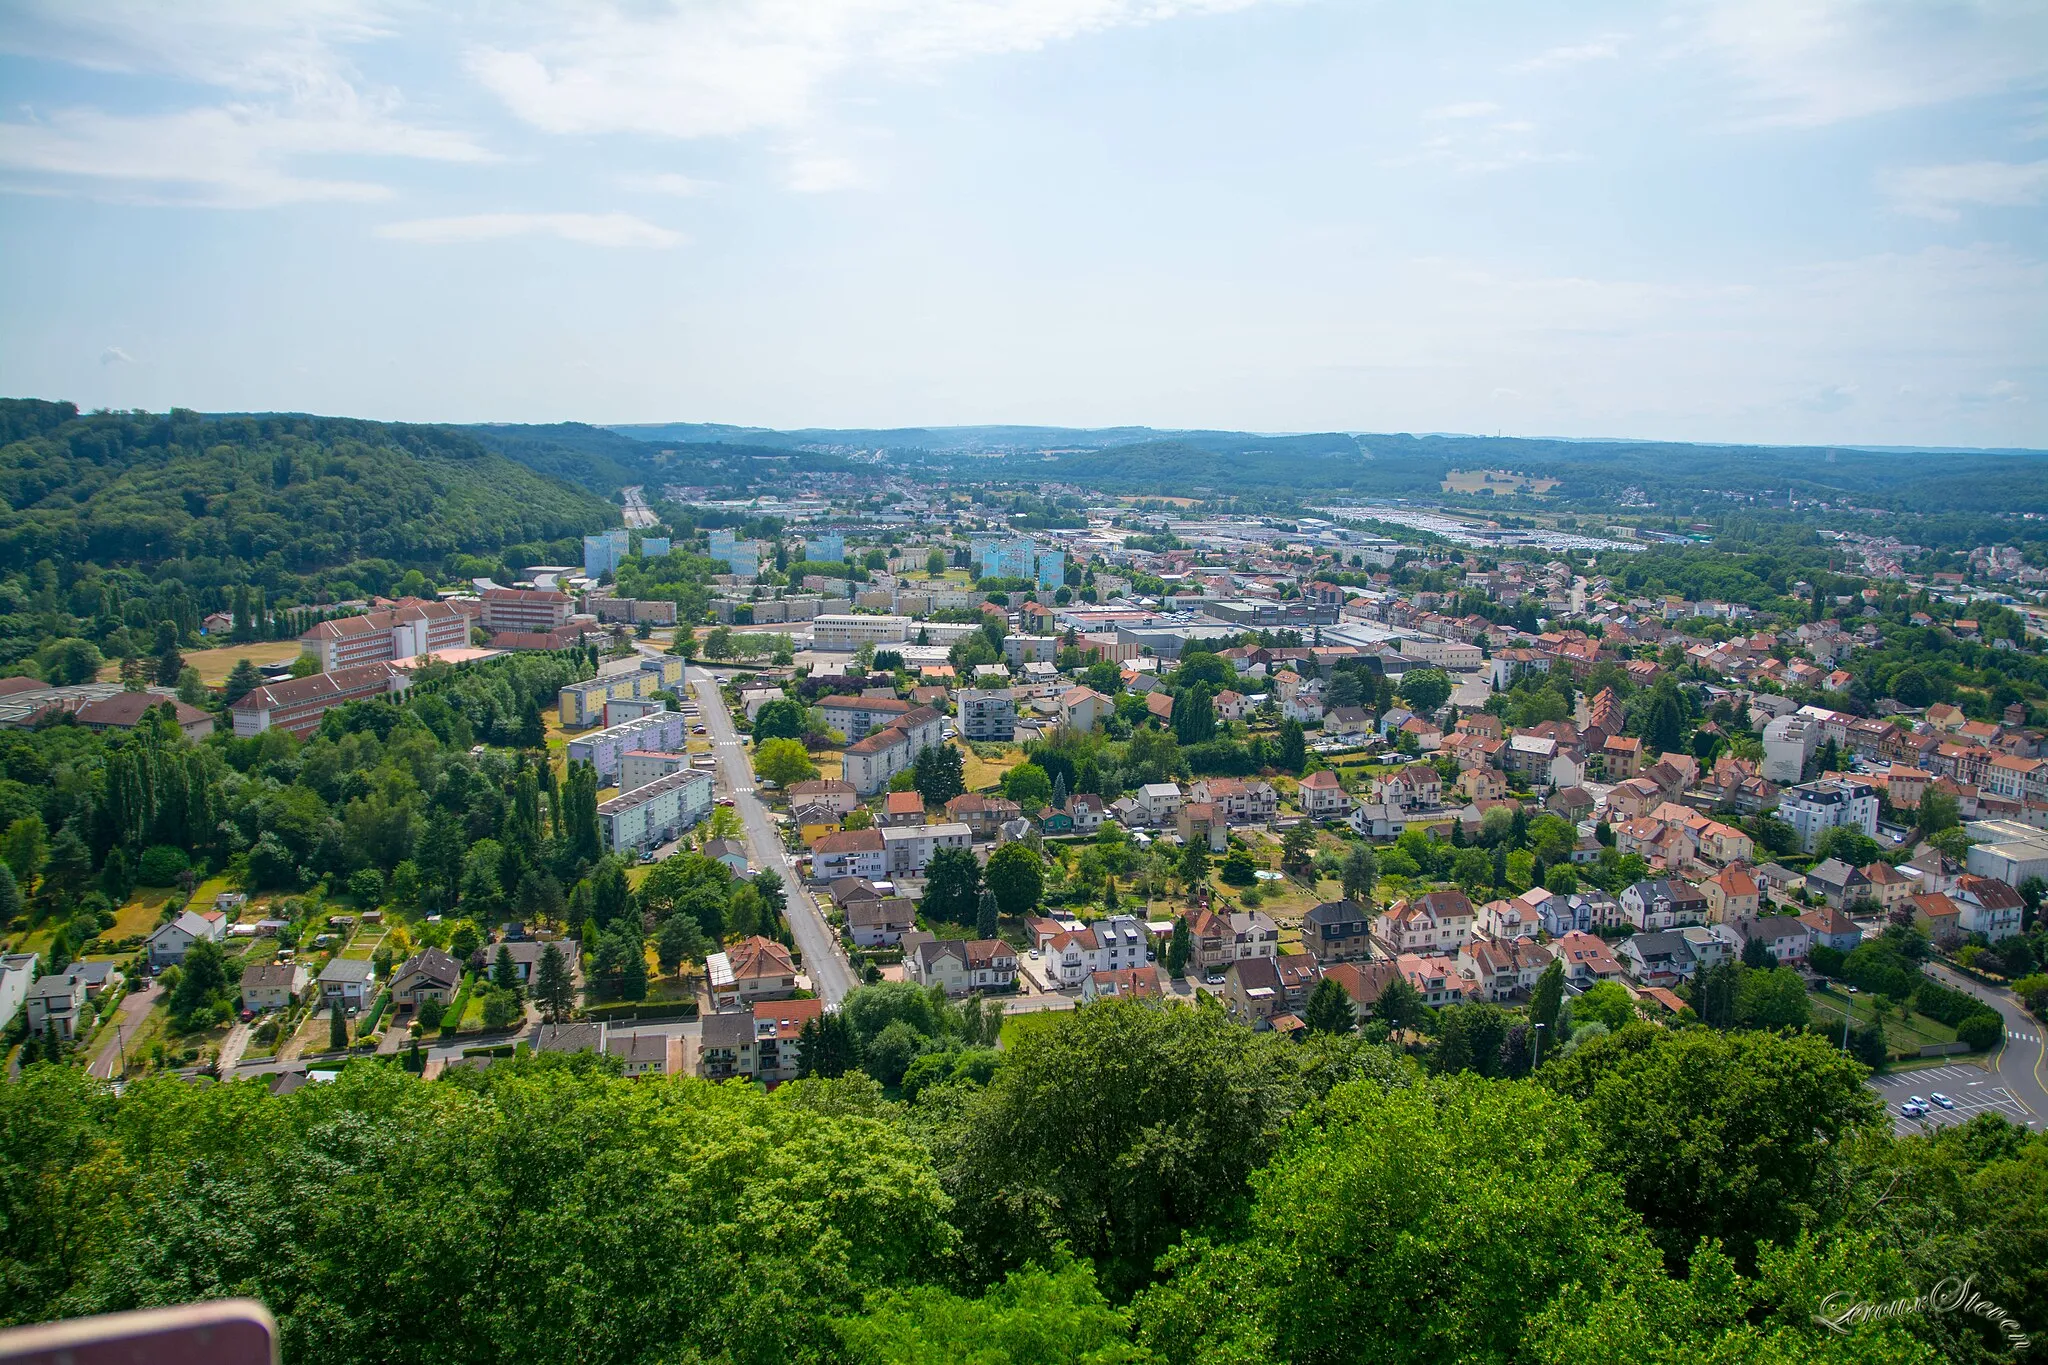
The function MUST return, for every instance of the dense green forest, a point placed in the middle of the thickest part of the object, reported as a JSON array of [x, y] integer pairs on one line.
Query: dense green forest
[[590, 457], [393, 789], [117, 524], [1123, 1184]]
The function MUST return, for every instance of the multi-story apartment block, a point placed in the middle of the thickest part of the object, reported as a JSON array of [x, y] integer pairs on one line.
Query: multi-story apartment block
[[909, 848], [411, 627], [1813, 808], [989, 714], [870, 762], [655, 813], [584, 703], [664, 732], [855, 717]]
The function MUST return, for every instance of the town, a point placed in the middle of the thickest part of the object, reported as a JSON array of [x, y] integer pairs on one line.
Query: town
[[1330, 771]]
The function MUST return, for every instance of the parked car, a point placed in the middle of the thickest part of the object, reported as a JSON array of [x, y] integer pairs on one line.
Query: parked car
[[1912, 1109], [1942, 1100]]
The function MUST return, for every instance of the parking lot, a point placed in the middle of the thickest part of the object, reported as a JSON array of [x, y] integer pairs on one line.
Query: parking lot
[[1974, 1090]]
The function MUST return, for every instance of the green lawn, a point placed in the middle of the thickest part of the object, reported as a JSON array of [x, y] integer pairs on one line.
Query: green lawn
[[1016, 1026], [1902, 1035]]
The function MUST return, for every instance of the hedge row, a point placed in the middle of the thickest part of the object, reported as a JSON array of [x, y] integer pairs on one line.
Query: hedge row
[[629, 1010], [452, 1021]]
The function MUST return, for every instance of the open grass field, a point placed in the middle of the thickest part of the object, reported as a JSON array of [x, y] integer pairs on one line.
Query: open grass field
[[1016, 1026], [140, 914], [1909, 1034], [214, 665], [986, 772], [1499, 480]]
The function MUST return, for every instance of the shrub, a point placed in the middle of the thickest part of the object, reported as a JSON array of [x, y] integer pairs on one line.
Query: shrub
[[432, 1011], [1950, 1007], [501, 1009], [1982, 1030], [1239, 869], [161, 865]]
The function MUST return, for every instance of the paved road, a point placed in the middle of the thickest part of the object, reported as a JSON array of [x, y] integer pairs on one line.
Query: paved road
[[638, 513], [830, 976], [2021, 1062], [127, 1020]]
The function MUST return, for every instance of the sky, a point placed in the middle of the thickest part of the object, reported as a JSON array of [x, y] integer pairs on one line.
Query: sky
[[1778, 221]]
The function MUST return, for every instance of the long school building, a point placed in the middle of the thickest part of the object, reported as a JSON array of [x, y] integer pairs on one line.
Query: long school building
[[295, 706], [655, 813], [412, 627]]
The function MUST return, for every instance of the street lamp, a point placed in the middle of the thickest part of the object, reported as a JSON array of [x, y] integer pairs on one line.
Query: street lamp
[[1539, 1047]]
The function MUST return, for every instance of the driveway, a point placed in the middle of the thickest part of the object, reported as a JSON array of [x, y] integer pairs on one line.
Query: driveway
[[829, 974], [106, 1063], [233, 1046]]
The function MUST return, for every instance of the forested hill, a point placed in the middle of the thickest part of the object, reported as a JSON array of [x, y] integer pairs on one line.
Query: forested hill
[[141, 489], [600, 460]]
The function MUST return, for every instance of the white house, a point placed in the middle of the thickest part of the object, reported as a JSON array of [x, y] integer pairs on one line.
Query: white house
[[168, 944], [1160, 801], [908, 849], [16, 971]]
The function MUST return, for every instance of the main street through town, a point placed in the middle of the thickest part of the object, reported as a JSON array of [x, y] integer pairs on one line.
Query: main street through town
[[830, 976]]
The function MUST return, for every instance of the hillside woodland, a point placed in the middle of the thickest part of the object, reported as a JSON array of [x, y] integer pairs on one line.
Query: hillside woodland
[[121, 522]]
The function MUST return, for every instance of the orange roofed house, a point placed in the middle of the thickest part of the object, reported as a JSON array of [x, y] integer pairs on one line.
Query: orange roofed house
[[753, 969]]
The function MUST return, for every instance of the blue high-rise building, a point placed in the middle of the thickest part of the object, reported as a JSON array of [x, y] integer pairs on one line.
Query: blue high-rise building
[[1052, 569], [653, 547], [602, 554], [827, 547]]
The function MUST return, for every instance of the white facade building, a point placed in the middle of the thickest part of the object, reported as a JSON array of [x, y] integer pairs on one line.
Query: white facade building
[[1816, 807]]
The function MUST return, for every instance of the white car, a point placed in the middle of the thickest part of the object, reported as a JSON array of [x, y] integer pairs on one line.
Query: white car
[[1912, 1109], [1943, 1100]]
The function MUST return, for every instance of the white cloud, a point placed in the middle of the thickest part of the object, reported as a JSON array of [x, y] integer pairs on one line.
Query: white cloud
[[1469, 109], [711, 68], [1600, 49], [114, 355], [589, 229], [1814, 62], [815, 172], [1936, 191], [665, 182], [233, 155], [1468, 139], [290, 94], [246, 46]]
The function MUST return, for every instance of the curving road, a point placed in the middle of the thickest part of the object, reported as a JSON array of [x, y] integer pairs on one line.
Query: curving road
[[2021, 1062], [830, 976]]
